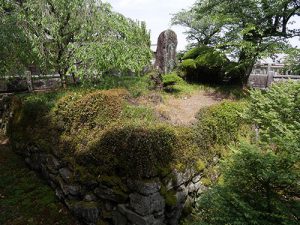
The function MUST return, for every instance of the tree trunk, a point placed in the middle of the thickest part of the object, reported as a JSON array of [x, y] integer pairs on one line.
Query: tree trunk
[[62, 79], [248, 71], [248, 62]]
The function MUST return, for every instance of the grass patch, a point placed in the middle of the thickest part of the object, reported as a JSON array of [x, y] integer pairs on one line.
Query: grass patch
[[24, 198], [136, 85]]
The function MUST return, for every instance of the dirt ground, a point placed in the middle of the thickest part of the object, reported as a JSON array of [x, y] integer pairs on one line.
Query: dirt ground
[[182, 110]]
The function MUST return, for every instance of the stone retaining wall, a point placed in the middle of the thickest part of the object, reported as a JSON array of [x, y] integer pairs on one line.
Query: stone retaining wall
[[107, 199], [115, 200]]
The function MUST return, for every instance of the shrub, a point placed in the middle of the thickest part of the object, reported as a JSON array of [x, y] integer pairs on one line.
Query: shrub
[[195, 52], [259, 188], [220, 124], [276, 112], [170, 80], [188, 64], [207, 65], [93, 109], [204, 64]]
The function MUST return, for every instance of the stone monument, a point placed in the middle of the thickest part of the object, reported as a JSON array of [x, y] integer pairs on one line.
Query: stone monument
[[166, 52]]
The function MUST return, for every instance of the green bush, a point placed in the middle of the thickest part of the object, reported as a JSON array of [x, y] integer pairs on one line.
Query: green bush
[[260, 187], [139, 150], [133, 150], [171, 79], [195, 52], [30, 123], [207, 65], [188, 64], [276, 112], [97, 108], [220, 124], [260, 182]]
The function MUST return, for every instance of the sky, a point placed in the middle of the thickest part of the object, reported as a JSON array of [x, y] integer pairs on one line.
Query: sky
[[158, 13]]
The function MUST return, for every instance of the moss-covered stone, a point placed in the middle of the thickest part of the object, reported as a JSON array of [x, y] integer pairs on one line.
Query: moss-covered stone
[[169, 196], [98, 133]]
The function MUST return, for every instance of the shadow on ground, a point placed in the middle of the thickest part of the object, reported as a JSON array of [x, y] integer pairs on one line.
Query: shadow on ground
[[24, 198]]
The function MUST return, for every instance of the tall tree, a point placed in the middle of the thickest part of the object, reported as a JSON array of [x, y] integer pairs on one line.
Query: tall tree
[[292, 61], [119, 44], [15, 47], [249, 29], [83, 36], [53, 27]]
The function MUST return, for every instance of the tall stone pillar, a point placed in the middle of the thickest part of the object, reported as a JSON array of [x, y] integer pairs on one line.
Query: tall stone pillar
[[166, 52]]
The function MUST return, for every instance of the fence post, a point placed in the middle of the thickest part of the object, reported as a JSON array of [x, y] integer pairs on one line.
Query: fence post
[[29, 81], [270, 78]]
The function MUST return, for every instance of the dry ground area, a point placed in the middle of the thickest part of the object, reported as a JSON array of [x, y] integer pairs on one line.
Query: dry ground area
[[182, 110]]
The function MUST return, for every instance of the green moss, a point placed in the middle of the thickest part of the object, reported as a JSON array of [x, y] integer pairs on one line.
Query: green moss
[[122, 196], [200, 165], [102, 222], [138, 113], [101, 133], [169, 196], [206, 182], [24, 198], [115, 182]]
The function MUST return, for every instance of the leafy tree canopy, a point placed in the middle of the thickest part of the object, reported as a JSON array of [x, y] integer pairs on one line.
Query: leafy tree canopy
[[83, 37], [292, 61], [245, 30]]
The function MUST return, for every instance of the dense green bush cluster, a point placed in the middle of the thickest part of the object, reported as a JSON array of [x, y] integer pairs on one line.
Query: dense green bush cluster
[[105, 133], [220, 124], [207, 65], [277, 112], [88, 109], [170, 80]]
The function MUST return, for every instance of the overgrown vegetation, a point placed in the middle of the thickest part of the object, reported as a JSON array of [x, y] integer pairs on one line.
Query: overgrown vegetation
[[260, 179], [105, 132], [207, 65], [83, 125], [221, 125]]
